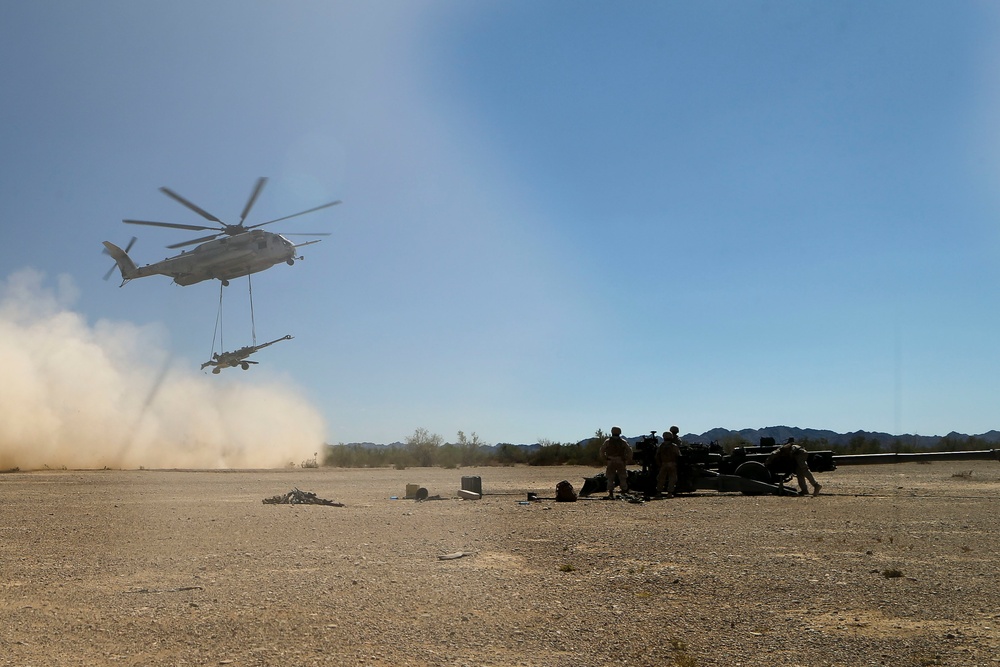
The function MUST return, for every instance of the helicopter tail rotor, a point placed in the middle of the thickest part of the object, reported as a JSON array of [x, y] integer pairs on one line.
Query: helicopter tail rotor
[[119, 258]]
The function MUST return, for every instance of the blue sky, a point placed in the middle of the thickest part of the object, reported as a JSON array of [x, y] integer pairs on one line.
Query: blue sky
[[557, 216]]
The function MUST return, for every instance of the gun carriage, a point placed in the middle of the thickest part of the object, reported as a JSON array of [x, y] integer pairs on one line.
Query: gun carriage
[[746, 469]]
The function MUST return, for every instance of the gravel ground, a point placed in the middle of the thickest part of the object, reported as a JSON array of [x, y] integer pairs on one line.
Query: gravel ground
[[192, 568]]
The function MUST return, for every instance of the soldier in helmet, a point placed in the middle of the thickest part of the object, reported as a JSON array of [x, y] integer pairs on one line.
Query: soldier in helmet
[[791, 456], [618, 454], [667, 457]]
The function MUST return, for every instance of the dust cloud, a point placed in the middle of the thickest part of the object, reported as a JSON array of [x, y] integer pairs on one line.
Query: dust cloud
[[75, 395]]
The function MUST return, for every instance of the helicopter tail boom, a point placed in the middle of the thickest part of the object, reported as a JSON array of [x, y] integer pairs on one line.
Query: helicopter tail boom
[[124, 262]]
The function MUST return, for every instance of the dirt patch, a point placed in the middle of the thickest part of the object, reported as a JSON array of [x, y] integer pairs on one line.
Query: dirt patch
[[190, 567]]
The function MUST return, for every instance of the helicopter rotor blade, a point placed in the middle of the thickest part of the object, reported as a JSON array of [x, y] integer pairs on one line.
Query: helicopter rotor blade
[[193, 241], [172, 225], [309, 234], [180, 200], [295, 215], [253, 198]]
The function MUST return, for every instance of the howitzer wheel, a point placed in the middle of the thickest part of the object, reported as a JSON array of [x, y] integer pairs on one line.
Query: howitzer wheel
[[756, 471]]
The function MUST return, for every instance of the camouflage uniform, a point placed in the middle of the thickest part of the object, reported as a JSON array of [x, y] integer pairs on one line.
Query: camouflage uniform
[[795, 456], [617, 452], [666, 458]]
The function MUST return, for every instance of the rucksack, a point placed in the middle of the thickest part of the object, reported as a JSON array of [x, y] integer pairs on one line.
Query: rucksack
[[565, 492]]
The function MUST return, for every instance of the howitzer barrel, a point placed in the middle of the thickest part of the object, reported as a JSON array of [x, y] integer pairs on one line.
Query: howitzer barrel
[[909, 457], [271, 342]]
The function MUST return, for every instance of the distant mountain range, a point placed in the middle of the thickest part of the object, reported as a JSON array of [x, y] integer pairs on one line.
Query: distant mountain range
[[781, 434]]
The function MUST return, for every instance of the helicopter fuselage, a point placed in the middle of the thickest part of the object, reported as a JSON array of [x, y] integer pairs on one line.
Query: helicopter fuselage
[[220, 259]]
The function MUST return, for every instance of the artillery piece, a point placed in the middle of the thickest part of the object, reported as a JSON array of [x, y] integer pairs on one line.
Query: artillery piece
[[237, 357], [744, 470]]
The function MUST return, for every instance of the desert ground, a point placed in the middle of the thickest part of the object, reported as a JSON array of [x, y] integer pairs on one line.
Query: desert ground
[[891, 565]]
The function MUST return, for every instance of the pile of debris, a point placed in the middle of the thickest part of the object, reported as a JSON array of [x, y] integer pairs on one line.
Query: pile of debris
[[296, 497]]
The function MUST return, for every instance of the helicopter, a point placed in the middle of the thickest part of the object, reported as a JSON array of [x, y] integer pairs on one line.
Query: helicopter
[[241, 250]]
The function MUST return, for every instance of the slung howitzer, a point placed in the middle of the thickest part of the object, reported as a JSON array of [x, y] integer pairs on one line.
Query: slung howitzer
[[238, 357]]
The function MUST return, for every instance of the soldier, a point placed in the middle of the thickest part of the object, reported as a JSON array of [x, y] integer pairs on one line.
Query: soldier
[[794, 457], [666, 458], [618, 454]]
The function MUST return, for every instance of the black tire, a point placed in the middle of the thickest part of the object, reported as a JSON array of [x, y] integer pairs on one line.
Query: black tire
[[756, 471]]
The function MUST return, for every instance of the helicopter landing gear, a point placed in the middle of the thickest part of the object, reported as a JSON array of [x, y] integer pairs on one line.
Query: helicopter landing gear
[[216, 370], [225, 283], [245, 366], [290, 262]]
